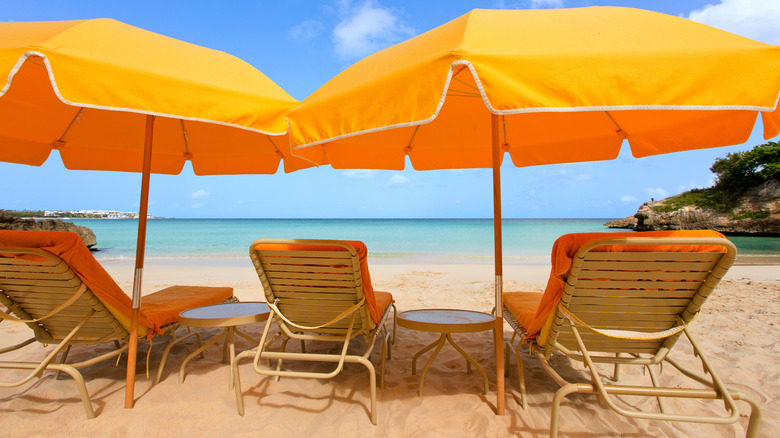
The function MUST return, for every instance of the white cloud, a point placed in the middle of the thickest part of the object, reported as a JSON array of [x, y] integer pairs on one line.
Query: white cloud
[[582, 177], [691, 185], [464, 171], [198, 205], [367, 27], [548, 172], [539, 4], [502, 4], [200, 194], [755, 19], [398, 180], [627, 199], [306, 31], [360, 173], [656, 193]]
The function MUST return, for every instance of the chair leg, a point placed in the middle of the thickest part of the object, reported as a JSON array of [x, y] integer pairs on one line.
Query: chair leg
[[507, 346], [279, 361], [385, 355], [62, 360], [237, 382], [521, 380], [755, 415], [395, 320], [616, 374], [556, 407], [82, 388], [654, 379], [372, 386], [520, 375], [389, 343]]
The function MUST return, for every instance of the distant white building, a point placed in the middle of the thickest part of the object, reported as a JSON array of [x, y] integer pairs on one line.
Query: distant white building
[[107, 214]]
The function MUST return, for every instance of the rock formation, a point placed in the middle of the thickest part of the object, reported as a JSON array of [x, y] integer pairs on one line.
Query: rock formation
[[8, 222], [760, 200]]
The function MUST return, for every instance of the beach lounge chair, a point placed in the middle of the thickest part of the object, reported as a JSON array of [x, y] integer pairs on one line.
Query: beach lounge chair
[[625, 299], [50, 281], [318, 290]]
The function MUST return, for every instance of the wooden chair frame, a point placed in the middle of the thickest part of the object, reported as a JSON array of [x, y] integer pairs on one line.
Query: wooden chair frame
[[314, 295], [630, 308], [47, 296]]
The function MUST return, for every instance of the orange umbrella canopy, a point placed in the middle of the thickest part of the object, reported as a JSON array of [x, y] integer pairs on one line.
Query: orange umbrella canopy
[[86, 87], [569, 85]]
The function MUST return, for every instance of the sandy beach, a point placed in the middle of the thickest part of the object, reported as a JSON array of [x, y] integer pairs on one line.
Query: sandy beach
[[738, 331]]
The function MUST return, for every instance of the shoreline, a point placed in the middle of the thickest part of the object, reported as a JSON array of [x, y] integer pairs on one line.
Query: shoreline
[[422, 259], [241, 275]]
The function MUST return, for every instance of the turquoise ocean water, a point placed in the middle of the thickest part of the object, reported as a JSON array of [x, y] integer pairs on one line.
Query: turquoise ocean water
[[526, 241]]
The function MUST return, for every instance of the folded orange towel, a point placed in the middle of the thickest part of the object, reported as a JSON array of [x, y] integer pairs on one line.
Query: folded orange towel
[[157, 309], [374, 309], [522, 303]]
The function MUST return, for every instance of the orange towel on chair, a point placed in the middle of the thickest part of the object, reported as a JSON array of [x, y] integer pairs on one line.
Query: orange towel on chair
[[563, 253], [157, 309]]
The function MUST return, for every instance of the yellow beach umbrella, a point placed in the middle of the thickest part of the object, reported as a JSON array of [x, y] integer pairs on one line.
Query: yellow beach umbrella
[[546, 86], [110, 96]]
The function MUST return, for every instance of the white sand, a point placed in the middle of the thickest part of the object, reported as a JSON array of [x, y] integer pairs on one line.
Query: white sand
[[738, 331]]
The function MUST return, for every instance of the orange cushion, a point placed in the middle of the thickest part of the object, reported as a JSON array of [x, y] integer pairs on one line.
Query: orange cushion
[[163, 306], [383, 301], [523, 305]]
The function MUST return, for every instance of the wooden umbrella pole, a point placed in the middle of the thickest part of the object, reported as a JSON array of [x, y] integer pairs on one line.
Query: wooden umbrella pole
[[132, 351], [499, 262]]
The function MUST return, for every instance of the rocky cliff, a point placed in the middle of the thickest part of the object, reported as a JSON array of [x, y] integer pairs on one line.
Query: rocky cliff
[[8, 222], [757, 213]]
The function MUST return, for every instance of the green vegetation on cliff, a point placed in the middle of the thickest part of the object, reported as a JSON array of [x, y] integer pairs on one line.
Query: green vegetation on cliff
[[24, 213], [734, 176]]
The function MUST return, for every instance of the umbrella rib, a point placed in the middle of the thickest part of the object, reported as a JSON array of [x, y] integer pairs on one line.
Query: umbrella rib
[[36, 60], [61, 141], [187, 153], [459, 93], [278, 152], [619, 130], [506, 137], [464, 82], [408, 147], [454, 74]]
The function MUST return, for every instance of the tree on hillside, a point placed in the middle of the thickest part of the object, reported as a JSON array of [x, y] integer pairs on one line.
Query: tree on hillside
[[740, 171]]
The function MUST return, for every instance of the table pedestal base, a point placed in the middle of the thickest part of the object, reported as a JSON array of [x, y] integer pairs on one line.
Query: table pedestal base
[[229, 348], [439, 344]]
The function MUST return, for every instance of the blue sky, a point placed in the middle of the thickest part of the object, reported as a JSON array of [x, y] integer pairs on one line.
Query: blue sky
[[301, 44]]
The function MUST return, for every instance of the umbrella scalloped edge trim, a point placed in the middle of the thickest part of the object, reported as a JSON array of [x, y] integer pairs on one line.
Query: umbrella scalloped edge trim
[[493, 110], [26, 55]]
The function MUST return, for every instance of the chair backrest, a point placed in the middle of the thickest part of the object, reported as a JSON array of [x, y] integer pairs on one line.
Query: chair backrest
[[33, 285], [642, 284], [312, 282]]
